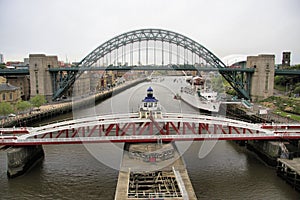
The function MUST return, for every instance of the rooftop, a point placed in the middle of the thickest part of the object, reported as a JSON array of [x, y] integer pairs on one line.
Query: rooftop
[[7, 87]]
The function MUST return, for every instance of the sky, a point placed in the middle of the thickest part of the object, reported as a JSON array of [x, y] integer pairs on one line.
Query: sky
[[72, 29]]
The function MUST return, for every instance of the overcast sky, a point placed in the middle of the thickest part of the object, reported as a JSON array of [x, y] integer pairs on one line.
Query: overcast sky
[[73, 28]]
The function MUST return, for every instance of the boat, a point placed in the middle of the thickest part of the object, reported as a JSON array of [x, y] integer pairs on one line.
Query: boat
[[199, 95], [150, 106]]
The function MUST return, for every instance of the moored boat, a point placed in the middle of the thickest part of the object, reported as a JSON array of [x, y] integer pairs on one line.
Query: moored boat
[[198, 95]]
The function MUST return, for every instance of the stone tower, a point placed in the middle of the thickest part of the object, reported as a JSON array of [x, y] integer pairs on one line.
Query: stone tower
[[286, 59], [40, 77], [262, 83]]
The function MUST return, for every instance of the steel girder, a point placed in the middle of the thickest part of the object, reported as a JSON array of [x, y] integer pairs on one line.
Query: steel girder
[[149, 35]]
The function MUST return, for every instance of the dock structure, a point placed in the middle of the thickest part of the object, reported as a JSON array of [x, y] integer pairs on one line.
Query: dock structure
[[153, 171], [289, 170]]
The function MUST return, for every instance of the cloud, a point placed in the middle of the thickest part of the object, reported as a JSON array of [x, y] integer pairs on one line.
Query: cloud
[[65, 27]]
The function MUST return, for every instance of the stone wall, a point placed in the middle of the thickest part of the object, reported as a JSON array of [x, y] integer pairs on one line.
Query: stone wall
[[21, 159]]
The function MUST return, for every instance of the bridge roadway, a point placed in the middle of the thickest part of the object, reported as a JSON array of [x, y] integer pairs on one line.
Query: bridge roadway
[[130, 128], [7, 72]]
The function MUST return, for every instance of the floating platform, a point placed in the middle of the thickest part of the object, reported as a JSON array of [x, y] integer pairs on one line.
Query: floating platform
[[153, 171], [289, 170]]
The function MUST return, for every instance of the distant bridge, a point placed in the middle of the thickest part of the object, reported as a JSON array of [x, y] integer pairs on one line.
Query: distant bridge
[[164, 50], [131, 128], [8, 72]]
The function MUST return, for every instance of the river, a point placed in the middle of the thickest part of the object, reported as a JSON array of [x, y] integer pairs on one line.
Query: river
[[228, 171]]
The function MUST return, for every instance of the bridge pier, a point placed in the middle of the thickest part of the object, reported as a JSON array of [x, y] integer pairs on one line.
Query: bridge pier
[[40, 77], [153, 171], [262, 81], [20, 159], [268, 151]]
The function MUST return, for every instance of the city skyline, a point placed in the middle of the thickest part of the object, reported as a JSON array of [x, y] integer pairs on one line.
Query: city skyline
[[72, 30]]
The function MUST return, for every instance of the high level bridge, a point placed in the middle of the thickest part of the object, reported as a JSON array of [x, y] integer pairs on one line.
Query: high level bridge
[[150, 49], [131, 128]]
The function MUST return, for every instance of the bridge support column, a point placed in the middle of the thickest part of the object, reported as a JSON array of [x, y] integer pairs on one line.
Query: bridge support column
[[262, 83], [21, 159], [40, 77]]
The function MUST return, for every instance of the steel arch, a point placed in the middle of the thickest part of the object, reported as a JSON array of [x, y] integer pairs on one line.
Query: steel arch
[[149, 35]]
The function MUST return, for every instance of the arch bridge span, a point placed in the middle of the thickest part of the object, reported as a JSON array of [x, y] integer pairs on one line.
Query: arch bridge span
[[131, 128], [188, 52]]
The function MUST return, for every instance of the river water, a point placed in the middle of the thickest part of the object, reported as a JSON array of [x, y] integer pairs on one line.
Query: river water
[[224, 171]]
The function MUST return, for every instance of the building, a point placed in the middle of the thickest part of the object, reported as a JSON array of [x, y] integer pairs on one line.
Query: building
[[23, 82], [9, 93], [2, 80], [1, 58], [82, 85]]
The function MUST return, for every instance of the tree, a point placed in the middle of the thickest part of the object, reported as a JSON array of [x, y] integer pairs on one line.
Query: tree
[[23, 105], [5, 108], [38, 100], [218, 84], [297, 90]]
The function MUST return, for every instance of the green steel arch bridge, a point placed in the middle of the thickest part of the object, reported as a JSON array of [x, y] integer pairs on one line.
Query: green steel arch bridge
[[152, 49]]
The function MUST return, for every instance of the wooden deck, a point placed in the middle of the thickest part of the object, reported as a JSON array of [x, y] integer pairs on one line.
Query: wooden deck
[[289, 170]]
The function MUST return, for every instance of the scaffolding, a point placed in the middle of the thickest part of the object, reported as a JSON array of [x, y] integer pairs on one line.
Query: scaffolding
[[158, 184]]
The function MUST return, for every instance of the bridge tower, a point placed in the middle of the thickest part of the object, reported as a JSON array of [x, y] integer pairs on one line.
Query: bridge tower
[[262, 82], [40, 77], [286, 59]]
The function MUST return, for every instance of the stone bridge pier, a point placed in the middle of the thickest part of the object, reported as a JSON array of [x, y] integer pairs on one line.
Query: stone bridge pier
[[262, 81]]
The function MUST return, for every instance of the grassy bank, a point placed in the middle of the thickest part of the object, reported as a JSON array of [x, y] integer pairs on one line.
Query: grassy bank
[[284, 106]]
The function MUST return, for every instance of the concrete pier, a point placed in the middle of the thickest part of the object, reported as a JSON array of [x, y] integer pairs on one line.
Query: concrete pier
[[21, 159], [289, 170], [153, 171], [268, 151]]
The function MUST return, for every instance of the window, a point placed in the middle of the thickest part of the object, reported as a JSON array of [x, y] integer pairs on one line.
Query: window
[[3, 96], [36, 82], [11, 96], [267, 82]]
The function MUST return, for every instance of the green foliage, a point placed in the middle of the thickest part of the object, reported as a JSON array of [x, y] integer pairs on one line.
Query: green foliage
[[218, 84], [297, 90], [23, 105], [6, 108], [38, 100], [280, 80], [2, 66], [289, 83], [290, 105]]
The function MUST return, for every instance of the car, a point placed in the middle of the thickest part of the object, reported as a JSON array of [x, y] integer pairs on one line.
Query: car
[[11, 115]]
